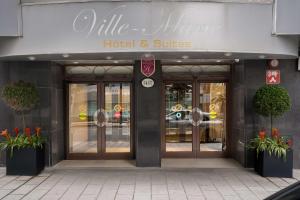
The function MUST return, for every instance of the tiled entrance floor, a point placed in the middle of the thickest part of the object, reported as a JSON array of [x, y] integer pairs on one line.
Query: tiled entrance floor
[[141, 184]]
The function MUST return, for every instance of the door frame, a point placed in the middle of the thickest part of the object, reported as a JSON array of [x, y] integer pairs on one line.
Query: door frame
[[196, 153], [101, 154]]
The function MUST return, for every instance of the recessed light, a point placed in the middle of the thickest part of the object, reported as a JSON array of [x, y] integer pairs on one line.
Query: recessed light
[[147, 55], [108, 57], [179, 61], [262, 56], [31, 58], [237, 60], [66, 55], [75, 62], [218, 61], [228, 54], [185, 57], [115, 61]]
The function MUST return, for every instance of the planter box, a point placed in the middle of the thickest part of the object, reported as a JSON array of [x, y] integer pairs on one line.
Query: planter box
[[272, 166], [26, 161]]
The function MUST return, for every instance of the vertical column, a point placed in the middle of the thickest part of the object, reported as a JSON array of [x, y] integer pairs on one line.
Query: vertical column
[[147, 118]]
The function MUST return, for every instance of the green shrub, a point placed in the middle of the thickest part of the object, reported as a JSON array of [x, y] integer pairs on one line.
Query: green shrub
[[271, 101]]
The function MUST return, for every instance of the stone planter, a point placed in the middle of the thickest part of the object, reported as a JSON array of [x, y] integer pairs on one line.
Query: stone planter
[[25, 161], [272, 166]]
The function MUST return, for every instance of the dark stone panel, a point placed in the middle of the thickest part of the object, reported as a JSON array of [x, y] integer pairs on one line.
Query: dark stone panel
[[49, 114], [6, 115], [147, 119], [237, 113]]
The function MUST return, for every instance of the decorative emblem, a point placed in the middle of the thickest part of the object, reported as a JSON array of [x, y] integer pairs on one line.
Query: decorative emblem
[[148, 65]]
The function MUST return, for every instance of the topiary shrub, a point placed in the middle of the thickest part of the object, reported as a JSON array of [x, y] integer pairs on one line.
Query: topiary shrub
[[21, 97], [271, 101]]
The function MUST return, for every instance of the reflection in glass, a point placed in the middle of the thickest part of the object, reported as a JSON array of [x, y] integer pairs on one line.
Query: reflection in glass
[[117, 108], [178, 117], [82, 128], [213, 127]]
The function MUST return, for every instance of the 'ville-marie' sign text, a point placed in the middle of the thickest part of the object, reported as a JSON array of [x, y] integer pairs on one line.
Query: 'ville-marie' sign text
[[119, 27]]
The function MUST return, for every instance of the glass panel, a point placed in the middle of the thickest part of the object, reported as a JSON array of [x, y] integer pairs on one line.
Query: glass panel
[[213, 125], [179, 117], [82, 127], [194, 68], [117, 108], [99, 70]]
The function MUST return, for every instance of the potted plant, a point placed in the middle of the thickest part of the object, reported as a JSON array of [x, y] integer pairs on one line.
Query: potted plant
[[274, 155], [24, 150]]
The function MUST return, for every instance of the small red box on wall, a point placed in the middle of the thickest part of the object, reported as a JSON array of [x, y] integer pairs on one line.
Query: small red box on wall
[[272, 77]]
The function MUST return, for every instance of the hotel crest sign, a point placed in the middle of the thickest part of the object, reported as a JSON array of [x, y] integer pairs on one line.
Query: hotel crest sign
[[121, 28]]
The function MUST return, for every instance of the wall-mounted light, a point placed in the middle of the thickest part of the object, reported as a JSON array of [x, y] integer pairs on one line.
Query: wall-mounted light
[[66, 55]]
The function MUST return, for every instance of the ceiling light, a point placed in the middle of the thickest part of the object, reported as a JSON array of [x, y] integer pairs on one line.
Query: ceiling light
[[147, 55], [31, 58], [75, 62], [108, 57], [66, 55], [185, 57], [179, 61], [228, 54], [218, 61], [237, 60], [115, 61], [262, 56]]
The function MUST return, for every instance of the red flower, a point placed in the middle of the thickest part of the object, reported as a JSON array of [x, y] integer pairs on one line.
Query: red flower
[[275, 133], [16, 130], [262, 134], [27, 132], [38, 131], [290, 142], [5, 134]]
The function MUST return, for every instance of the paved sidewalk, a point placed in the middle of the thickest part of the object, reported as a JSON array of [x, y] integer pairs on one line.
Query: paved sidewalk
[[141, 184]]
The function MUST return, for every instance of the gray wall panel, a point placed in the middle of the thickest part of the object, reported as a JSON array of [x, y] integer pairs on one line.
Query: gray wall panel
[[10, 18], [287, 17]]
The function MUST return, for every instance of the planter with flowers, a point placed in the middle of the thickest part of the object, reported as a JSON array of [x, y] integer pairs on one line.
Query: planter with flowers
[[274, 154], [24, 149]]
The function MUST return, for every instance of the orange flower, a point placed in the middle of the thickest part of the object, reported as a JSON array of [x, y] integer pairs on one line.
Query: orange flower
[[275, 133], [27, 132], [262, 134], [38, 131], [5, 134], [16, 130]]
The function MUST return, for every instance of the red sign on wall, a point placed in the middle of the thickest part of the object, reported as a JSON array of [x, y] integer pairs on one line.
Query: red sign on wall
[[272, 77], [148, 66]]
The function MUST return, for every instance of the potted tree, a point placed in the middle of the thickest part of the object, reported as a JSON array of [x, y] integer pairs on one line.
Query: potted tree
[[24, 149], [274, 155]]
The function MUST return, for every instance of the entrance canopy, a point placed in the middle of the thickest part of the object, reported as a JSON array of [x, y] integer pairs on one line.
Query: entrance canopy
[[129, 29]]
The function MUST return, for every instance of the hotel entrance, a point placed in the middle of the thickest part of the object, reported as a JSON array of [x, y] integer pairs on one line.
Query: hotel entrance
[[195, 117], [99, 119]]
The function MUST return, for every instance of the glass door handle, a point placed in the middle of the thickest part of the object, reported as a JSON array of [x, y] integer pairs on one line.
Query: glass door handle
[[100, 117], [197, 116]]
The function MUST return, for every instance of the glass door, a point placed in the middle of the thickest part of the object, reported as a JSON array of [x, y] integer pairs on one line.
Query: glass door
[[178, 117], [117, 106], [195, 119], [212, 128], [99, 120]]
